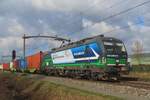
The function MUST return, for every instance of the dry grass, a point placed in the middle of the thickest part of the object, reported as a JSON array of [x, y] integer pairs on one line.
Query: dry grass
[[50, 91], [141, 75], [35, 89]]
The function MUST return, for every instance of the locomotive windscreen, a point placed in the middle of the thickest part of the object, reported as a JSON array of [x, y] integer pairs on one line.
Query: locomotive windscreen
[[114, 47]]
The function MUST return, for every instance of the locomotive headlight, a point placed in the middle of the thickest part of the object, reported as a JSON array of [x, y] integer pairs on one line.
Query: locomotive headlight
[[129, 60], [117, 61], [47, 63]]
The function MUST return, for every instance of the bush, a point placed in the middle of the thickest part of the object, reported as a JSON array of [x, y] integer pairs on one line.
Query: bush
[[140, 68]]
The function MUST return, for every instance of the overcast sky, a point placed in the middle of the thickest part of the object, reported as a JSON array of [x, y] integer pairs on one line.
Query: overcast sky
[[73, 19]]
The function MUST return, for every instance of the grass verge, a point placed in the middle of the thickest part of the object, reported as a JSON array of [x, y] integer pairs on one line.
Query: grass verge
[[142, 75], [31, 88]]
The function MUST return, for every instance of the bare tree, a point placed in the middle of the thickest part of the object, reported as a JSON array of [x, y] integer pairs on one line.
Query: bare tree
[[137, 49]]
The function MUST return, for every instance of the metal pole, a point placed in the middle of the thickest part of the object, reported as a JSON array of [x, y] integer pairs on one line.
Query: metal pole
[[24, 42], [54, 37]]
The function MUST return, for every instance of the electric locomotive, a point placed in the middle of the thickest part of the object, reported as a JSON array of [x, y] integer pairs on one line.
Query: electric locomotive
[[97, 58]]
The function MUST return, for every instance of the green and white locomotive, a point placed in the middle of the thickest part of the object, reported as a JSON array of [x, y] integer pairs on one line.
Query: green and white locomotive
[[97, 58]]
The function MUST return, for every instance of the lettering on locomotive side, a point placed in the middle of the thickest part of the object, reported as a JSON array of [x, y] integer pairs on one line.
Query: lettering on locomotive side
[[79, 53], [57, 56]]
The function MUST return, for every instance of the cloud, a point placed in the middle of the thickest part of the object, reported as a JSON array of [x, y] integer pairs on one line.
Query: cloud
[[15, 27], [127, 35], [63, 5], [140, 33], [95, 28], [10, 43], [75, 19]]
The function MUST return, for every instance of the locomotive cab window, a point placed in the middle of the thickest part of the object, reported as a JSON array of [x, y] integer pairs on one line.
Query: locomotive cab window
[[120, 47], [109, 47], [114, 47]]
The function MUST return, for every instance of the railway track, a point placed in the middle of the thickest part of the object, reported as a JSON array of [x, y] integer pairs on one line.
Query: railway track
[[125, 81], [136, 84]]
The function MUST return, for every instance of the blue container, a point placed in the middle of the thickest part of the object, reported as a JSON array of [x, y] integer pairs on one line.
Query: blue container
[[22, 64]]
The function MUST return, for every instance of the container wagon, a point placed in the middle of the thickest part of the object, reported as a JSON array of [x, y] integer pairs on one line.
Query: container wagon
[[22, 65], [34, 62], [15, 65], [6, 66]]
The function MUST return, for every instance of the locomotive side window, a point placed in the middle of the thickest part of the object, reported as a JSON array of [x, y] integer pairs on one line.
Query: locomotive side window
[[109, 47]]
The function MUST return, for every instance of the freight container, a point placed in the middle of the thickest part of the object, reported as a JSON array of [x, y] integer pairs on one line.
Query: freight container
[[34, 62], [22, 64], [6, 66]]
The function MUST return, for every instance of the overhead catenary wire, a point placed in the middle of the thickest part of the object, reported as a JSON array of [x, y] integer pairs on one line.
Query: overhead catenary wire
[[115, 20], [85, 10], [89, 8], [122, 12], [124, 27], [116, 4], [111, 6], [127, 26], [126, 10]]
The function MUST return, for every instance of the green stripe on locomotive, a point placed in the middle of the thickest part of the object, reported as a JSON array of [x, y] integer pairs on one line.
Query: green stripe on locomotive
[[113, 61], [97, 64], [47, 62], [123, 61]]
